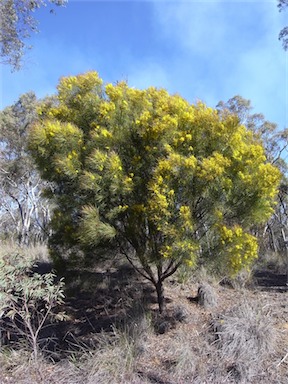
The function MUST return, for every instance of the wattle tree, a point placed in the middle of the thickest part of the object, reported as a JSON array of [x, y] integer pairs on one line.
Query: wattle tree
[[166, 182]]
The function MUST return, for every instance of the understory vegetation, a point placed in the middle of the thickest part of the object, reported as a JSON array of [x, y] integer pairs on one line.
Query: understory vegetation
[[110, 330]]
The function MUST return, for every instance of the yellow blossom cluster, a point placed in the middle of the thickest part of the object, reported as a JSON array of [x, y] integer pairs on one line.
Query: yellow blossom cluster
[[213, 167], [50, 138], [69, 165], [186, 218], [166, 168], [159, 201], [106, 108], [269, 177], [86, 82], [175, 164], [115, 92], [160, 126], [258, 176], [163, 196], [240, 248], [184, 250], [105, 168]]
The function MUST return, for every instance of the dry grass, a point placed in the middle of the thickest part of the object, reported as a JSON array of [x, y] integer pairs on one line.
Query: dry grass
[[18, 367], [38, 252], [246, 337], [114, 360], [243, 339]]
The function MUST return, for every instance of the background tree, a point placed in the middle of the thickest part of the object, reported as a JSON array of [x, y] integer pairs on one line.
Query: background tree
[[272, 234], [24, 212], [167, 182], [282, 4], [17, 24], [273, 140]]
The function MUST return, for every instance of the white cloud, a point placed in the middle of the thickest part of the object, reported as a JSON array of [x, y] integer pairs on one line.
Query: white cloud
[[228, 48], [148, 73], [261, 75], [190, 24], [209, 50]]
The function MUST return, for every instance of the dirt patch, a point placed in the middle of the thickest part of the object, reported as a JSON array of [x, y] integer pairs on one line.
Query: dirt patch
[[114, 319]]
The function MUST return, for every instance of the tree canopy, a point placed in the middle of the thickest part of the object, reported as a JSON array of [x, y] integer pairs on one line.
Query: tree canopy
[[167, 182], [24, 213], [283, 35], [17, 24], [272, 138], [272, 234]]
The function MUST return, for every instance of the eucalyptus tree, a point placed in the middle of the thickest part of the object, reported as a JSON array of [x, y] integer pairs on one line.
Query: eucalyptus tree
[[282, 5], [17, 25], [24, 211]]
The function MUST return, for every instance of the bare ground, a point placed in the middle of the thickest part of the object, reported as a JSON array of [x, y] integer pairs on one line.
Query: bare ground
[[115, 335]]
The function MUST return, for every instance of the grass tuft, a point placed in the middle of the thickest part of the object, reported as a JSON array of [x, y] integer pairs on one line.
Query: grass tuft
[[246, 338]]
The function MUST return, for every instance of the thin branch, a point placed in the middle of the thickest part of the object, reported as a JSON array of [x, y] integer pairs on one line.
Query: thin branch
[[279, 155], [148, 277], [169, 266], [173, 270], [282, 360]]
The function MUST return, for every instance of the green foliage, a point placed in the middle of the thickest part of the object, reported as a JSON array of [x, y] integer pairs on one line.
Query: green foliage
[[28, 299], [271, 235], [283, 35], [272, 138], [24, 212], [169, 182], [17, 24]]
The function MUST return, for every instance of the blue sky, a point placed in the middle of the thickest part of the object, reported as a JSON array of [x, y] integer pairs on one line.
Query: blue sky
[[207, 50]]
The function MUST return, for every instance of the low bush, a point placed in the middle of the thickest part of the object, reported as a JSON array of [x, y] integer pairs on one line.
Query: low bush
[[28, 300]]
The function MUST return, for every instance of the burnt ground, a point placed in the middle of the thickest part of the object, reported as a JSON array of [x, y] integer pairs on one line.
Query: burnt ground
[[99, 300], [269, 280], [102, 299]]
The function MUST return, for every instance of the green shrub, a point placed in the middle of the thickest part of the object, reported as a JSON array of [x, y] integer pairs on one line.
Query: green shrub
[[27, 299]]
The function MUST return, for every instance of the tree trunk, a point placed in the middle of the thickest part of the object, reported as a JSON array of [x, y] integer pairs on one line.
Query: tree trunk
[[160, 295]]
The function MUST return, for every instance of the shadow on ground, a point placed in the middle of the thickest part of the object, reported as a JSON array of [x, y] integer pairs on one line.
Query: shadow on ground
[[271, 281], [98, 301]]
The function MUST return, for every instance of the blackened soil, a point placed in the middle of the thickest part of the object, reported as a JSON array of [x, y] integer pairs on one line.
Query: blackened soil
[[268, 280]]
